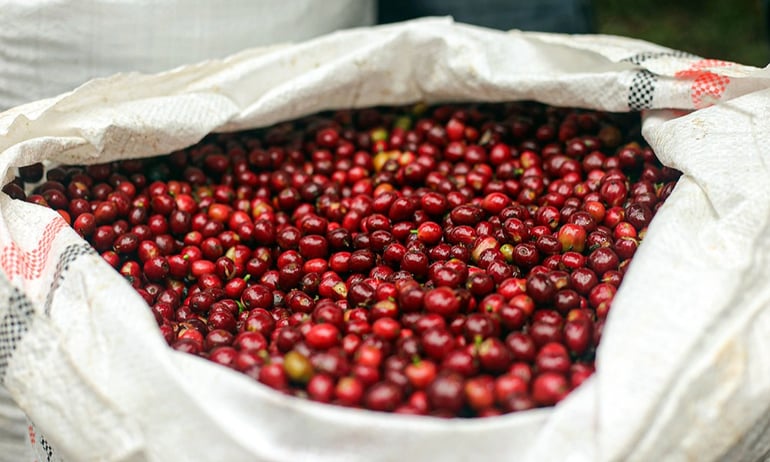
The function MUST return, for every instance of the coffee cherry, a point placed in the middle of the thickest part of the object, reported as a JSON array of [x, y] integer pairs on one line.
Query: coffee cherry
[[549, 388], [446, 393], [442, 301]]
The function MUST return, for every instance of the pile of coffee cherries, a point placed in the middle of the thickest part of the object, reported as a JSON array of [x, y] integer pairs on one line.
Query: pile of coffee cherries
[[453, 261]]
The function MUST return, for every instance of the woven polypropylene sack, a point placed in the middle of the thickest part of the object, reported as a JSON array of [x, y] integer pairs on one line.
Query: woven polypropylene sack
[[681, 370], [52, 46]]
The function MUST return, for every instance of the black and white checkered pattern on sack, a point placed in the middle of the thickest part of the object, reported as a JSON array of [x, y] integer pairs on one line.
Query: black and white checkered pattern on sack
[[642, 90], [13, 325], [647, 55], [69, 255], [47, 449]]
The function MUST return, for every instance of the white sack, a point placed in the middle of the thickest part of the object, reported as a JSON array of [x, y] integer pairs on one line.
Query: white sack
[[52, 46], [14, 440], [682, 371]]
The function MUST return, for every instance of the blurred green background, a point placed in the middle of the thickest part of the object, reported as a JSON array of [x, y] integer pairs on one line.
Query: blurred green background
[[733, 30]]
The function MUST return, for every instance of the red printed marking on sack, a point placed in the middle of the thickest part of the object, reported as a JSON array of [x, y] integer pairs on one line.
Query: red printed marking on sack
[[707, 86], [31, 432], [29, 264]]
